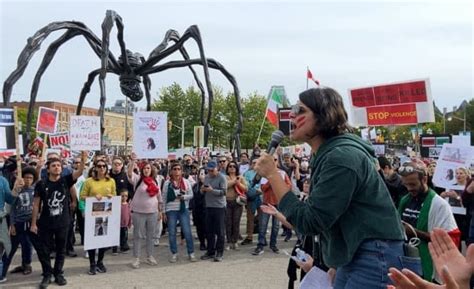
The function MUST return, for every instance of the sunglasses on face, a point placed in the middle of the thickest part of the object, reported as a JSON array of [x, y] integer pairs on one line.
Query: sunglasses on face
[[222, 161], [231, 166], [297, 109], [101, 166]]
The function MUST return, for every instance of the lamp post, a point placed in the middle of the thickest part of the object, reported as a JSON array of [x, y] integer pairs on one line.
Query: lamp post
[[444, 119], [182, 133], [461, 119]]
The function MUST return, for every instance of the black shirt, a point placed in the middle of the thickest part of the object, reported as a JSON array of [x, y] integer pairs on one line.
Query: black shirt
[[412, 210], [55, 199]]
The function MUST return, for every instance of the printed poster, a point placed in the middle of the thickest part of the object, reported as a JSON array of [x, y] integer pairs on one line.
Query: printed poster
[[150, 134], [452, 157], [47, 120], [84, 133], [102, 223]]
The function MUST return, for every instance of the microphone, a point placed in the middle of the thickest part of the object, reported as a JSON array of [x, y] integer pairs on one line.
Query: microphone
[[277, 137]]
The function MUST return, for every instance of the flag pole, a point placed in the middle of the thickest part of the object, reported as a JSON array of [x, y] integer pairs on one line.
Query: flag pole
[[261, 127], [307, 69]]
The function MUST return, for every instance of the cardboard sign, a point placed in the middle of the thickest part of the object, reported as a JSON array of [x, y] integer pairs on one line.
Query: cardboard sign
[[392, 104], [102, 223], [150, 134], [59, 139], [47, 120], [84, 133]]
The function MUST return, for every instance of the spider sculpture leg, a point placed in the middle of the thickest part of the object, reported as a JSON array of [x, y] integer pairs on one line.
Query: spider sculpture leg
[[191, 32], [214, 65], [73, 29]]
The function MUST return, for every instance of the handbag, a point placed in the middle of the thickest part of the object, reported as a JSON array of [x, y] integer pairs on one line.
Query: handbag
[[241, 197], [411, 255]]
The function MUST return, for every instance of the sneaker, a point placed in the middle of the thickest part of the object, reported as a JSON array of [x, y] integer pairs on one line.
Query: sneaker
[[207, 256], [236, 247], [246, 242], [151, 261], [86, 255], [192, 257], [71, 254], [92, 270], [3, 279], [18, 269], [258, 251], [115, 253], [174, 258], [227, 248], [27, 269], [275, 250], [45, 282], [60, 280], [136, 263], [101, 268], [156, 242], [218, 257]]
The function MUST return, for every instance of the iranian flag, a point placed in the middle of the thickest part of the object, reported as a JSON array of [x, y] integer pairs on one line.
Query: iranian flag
[[274, 102], [309, 75]]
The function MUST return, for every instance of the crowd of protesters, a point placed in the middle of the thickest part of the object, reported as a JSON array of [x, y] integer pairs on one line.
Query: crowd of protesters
[[47, 207]]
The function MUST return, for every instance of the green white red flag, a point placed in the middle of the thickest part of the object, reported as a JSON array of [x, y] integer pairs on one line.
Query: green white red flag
[[309, 75], [274, 102]]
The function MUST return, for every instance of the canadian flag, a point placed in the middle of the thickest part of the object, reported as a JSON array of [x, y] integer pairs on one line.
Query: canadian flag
[[309, 75]]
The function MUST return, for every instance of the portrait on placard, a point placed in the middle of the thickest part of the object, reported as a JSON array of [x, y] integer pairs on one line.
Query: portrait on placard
[[47, 120], [150, 134]]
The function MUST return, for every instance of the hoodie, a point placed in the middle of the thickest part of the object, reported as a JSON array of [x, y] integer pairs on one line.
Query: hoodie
[[348, 202]]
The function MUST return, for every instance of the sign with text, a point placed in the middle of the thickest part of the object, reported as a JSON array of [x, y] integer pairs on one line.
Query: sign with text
[[47, 120], [59, 139], [84, 133], [150, 134], [392, 104], [431, 144]]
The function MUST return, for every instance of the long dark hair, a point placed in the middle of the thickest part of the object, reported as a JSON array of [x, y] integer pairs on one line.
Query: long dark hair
[[95, 175], [328, 109], [237, 167]]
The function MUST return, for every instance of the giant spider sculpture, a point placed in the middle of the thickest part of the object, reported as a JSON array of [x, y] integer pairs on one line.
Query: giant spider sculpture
[[132, 68]]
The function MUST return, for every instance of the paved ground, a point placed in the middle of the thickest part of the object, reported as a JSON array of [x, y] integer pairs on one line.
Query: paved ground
[[239, 269]]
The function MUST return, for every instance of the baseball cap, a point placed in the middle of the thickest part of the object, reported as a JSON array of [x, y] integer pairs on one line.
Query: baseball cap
[[211, 165]]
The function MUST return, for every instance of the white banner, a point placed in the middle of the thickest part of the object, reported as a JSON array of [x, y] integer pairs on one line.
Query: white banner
[[84, 133], [102, 223], [451, 158], [150, 134]]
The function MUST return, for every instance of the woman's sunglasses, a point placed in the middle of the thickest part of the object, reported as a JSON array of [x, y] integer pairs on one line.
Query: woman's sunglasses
[[101, 166], [298, 109]]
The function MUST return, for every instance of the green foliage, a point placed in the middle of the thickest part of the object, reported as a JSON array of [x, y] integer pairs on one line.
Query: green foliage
[[187, 104], [22, 113]]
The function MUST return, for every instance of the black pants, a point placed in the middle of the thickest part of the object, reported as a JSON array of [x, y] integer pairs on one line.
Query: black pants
[[100, 257], [199, 220], [215, 221], [71, 238], [80, 224], [43, 242]]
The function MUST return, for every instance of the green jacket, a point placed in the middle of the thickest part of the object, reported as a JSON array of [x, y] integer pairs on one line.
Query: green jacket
[[348, 203]]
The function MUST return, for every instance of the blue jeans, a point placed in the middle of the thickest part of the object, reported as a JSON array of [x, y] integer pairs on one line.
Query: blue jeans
[[369, 266], [22, 238], [185, 223], [262, 230]]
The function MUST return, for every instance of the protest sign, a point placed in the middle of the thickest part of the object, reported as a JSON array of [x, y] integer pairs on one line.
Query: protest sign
[[398, 103], [84, 133], [452, 157], [102, 223], [47, 120], [150, 134]]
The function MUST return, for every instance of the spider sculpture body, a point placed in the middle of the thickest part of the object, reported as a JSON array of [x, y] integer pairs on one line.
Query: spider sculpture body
[[133, 69]]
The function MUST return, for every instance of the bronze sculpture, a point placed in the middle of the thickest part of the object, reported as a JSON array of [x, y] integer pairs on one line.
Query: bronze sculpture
[[132, 68]]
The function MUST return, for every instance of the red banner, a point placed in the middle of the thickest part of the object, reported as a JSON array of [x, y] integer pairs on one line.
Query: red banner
[[393, 114], [407, 92]]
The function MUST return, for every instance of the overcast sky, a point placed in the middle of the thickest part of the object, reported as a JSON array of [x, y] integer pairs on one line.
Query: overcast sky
[[345, 44]]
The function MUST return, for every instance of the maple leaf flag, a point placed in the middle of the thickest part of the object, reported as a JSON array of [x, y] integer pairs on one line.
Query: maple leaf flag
[[309, 75]]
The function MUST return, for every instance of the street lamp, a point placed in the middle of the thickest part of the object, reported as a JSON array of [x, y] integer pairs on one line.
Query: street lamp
[[444, 119]]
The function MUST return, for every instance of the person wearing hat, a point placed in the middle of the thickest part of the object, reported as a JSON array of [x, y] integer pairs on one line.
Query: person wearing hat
[[214, 189]]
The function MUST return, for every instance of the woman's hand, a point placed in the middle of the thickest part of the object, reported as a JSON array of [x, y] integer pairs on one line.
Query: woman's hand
[[332, 275], [269, 209], [34, 229], [265, 165], [98, 197], [470, 188], [110, 196], [307, 265], [12, 230]]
